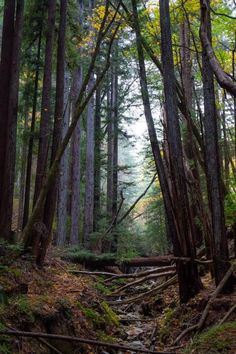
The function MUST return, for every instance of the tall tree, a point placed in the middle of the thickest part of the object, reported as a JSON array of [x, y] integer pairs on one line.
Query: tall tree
[[44, 133], [10, 110], [75, 146], [89, 174], [32, 126], [212, 160], [178, 177], [51, 199], [64, 170]]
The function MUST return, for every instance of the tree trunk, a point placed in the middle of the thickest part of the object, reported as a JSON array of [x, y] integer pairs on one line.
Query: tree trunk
[[6, 208], [51, 199], [64, 172], [75, 149], [89, 180], [44, 133], [23, 166], [189, 281], [5, 75], [214, 186], [97, 162], [32, 128]]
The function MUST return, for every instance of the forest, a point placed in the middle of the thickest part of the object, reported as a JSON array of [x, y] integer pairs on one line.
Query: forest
[[117, 176]]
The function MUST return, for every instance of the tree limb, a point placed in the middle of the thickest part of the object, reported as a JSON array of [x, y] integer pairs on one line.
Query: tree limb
[[221, 77], [79, 340]]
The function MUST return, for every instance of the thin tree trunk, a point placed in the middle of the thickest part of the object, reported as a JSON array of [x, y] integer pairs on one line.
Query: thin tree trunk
[[23, 168], [64, 172], [32, 128], [97, 162], [44, 134], [75, 148], [89, 184]]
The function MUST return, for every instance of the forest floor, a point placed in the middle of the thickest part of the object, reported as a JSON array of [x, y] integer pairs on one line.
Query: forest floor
[[54, 300]]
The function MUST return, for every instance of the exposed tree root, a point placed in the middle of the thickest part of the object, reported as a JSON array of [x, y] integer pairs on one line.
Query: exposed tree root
[[202, 320]]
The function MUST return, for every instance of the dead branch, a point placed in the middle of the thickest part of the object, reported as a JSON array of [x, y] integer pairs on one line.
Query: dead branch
[[202, 320], [231, 310], [79, 340], [137, 200], [142, 280], [91, 273], [141, 274], [157, 289]]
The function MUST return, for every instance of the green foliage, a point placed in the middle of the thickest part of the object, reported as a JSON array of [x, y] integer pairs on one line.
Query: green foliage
[[230, 208], [76, 254], [218, 339]]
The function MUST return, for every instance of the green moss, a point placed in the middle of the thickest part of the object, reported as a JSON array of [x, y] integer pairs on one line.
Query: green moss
[[91, 315], [218, 339], [102, 288], [23, 307], [165, 323], [106, 337], [5, 346], [110, 315]]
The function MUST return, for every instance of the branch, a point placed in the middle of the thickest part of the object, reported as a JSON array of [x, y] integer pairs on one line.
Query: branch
[[142, 280], [137, 200], [231, 310], [78, 340], [221, 77], [202, 320], [155, 290]]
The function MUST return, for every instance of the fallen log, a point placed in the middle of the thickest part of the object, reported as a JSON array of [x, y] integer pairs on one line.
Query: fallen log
[[79, 340], [98, 262]]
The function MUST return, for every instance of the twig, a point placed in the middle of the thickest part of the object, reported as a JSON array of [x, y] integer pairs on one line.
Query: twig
[[79, 340], [147, 293], [151, 276], [201, 322], [231, 310]]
